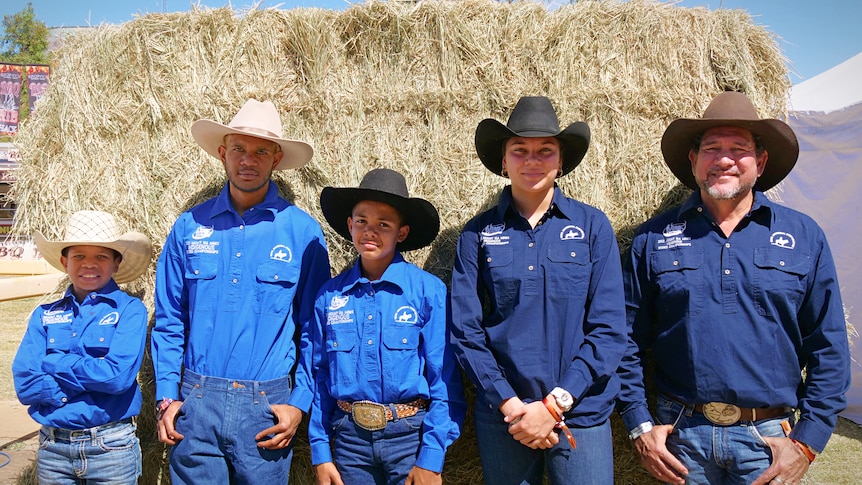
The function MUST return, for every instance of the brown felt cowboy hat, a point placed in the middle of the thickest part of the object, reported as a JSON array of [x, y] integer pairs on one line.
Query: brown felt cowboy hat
[[258, 119], [95, 228], [731, 109], [389, 187], [532, 117]]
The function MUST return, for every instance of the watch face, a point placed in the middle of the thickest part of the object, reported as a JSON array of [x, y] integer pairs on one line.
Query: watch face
[[564, 398]]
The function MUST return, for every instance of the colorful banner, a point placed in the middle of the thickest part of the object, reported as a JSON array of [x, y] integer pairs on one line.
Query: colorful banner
[[10, 97], [37, 84]]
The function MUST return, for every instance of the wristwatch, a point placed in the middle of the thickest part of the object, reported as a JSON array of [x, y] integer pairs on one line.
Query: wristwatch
[[563, 398]]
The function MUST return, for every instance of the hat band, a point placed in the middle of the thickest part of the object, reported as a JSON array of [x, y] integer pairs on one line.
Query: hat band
[[259, 131]]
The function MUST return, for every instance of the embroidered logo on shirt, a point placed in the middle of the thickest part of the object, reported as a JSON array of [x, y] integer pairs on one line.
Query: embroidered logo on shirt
[[202, 232], [281, 253], [673, 237], [110, 319], [782, 240], [338, 302], [206, 247], [570, 233], [406, 314], [51, 317], [492, 235]]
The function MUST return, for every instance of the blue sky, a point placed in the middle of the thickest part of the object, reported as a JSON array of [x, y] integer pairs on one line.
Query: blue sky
[[815, 34]]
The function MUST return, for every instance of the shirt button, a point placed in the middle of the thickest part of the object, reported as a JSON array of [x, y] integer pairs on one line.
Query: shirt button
[[676, 263], [370, 317], [275, 277], [335, 344], [404, 341], [101, 339], [370, 293], [700, 209], [51, 340], [781, 263], [238, 254], [64, 399], [727, 245], [370, 342], [488, 260], [74, 334], [197, 272], [241, 227], [530, 245], [727, 271], [530, 267], [573, 254], [234, 281]]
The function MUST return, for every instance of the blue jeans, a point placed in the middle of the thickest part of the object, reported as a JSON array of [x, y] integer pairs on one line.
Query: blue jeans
[[219, 419], [110, 453], [383, 457], [506, 461], [714, 454]]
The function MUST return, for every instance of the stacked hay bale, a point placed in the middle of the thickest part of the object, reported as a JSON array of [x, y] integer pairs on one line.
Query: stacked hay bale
[[399, 85]]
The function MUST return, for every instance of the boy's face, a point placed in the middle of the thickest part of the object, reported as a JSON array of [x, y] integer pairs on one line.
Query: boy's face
[[376, 230], [89, 268]]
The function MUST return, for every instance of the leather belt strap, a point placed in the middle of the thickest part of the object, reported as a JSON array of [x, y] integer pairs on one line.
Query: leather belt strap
[[727, 414], [750, 414], [402, 410]]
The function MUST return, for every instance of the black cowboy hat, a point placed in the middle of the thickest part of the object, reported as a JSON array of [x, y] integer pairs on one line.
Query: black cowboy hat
[[731, 109], [533, 117], [389, 187]]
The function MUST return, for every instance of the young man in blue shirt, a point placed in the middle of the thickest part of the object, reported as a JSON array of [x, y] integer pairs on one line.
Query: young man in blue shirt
[[735, 295], [389, 396], [537, 309], [77, 365], [235, 288]]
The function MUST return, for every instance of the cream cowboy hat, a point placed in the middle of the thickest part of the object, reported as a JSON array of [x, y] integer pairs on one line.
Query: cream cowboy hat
[[95, 228], [731, 109], [258, 119]]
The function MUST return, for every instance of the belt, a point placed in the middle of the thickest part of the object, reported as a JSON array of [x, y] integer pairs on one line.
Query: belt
[[725, 414], [374, 416], [63, 434]]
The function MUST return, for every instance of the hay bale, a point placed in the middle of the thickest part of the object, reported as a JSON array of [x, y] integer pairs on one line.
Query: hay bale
[[397, 85]]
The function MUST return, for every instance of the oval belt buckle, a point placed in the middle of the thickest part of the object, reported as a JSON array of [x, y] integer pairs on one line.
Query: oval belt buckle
[[721, 413]]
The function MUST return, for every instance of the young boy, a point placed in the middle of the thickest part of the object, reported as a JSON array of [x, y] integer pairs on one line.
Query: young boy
[[77, 364], [388, 395]]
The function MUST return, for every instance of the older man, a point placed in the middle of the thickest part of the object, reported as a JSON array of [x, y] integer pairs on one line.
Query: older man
[[735, 295], [235, 289]]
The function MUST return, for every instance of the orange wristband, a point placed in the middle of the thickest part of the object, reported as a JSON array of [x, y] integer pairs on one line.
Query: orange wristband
[[805, 450], [561, 424]]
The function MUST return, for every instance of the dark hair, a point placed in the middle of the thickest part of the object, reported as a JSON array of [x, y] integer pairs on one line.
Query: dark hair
[[65, 251]]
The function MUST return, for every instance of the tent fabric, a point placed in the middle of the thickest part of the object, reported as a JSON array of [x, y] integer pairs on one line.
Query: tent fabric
[[825, 185]]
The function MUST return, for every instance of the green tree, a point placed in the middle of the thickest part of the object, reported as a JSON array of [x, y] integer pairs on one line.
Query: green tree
[[25, 39]]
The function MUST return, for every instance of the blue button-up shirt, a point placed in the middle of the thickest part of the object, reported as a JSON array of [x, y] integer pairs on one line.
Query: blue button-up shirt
[[539, 308], [385, 341], [77, 364], [235, 294], [735, 319]]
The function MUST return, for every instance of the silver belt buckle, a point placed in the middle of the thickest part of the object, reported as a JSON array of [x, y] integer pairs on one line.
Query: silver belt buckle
[[369, 415], [721, 413]]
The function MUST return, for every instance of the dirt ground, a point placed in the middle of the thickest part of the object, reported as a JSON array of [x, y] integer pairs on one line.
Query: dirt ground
[[19, 438]]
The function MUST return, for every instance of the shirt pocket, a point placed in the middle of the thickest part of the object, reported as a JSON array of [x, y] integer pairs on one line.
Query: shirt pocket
[[401, 359], [499, 276], [343, 363], [276, 286], [779, 279], [678, 276], [58, 337], [97, 340], [568, 271], [200, 273]]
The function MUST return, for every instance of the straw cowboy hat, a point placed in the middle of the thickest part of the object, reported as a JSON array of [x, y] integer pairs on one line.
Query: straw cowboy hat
[[533, 117], [258, 119], [389, 187], [731, 109], [95, 228]]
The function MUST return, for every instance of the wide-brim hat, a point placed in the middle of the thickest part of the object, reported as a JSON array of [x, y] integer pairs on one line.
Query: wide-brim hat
[[95, 228], [258, 119], [731, 109], [532, 117], [389, 187]]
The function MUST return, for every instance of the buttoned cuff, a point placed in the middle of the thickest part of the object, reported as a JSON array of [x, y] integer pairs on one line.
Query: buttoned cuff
[[301, 398], [51, 393], [636, 416], [813, 434], [167, 390], [431, 459], [321, 453]]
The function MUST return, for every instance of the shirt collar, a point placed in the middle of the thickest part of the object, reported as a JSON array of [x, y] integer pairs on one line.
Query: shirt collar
[[108, 293], [222, 202], [394, 272], [761, 205], [506, 204]]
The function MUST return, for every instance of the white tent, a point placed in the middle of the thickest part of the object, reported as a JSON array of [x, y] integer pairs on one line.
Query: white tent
[[826, 114]]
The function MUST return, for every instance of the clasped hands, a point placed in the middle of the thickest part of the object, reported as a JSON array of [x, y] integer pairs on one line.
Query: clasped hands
[[531, 424]]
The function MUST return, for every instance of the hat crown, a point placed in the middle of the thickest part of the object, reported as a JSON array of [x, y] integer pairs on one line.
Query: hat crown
[[93, 226], [534, 116], [730, 105], [385, 180], [258, 117]]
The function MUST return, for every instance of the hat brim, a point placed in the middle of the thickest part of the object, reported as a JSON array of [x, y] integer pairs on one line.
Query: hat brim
[[777, 137], [424, 221], [210, 135], [135, 248], [490, 135]]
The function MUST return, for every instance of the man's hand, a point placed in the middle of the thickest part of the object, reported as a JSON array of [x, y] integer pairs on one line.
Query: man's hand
[[533, 426], [421, 476], [655, 457], [281, 433], [327, 474], [167, 432], [788, 466]]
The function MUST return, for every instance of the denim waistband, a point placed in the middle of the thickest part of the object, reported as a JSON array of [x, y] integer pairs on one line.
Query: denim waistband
[[238, 385], [63, 434]]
